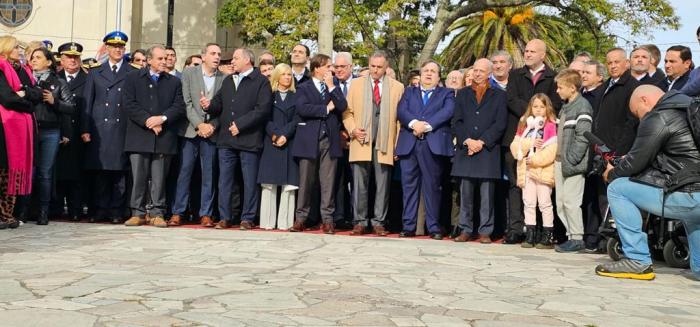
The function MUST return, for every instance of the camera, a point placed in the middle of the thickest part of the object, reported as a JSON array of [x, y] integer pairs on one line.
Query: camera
[[603, 155]]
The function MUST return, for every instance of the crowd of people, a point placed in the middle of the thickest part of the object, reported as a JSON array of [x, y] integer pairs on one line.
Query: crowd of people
[[310, 145]]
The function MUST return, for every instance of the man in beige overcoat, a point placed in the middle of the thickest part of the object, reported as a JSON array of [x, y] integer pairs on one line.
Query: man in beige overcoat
[[371, 120]]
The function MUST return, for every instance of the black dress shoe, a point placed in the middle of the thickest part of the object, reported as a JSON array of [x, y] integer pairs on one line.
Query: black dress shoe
[[75, 218], [407, 234], [456, 232], [116, 221], [14, 224], [513, 238], [43, 218], [436, 236]]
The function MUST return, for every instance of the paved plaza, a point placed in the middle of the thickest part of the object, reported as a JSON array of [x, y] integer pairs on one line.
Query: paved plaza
[[79, 275]]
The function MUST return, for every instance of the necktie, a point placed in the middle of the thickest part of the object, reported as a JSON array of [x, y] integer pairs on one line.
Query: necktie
[[345, 88], [610, 85], [70, 78], [114, 69], [323, 90], [236, 80], [426, 96], [377, 98], [154, 77]]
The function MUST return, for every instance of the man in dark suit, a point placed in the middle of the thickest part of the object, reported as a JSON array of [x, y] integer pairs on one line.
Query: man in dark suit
[[69, 174], [523, 83], [320, 104], [153, 101], [299, 57], [103, 128], [243, 106], [197, 134], [678, 62], [424, 144]]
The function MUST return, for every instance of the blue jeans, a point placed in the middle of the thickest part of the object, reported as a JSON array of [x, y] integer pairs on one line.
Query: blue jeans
[[49, 139], [193, 149], [228, 161], [627, 198]]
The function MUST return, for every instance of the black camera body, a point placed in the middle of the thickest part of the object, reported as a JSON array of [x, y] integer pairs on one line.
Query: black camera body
[[603, 155]]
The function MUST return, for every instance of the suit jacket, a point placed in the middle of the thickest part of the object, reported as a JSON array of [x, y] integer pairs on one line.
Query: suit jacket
[[305, 78], [437, 112], [678, 85], [484, 121], [72, 153], [192, 88], [612, 121], [104, 118], [352, 118], [142, 99], [249, 107], [312, 110]]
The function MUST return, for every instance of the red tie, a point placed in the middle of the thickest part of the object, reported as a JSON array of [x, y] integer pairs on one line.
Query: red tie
[[377, 98]]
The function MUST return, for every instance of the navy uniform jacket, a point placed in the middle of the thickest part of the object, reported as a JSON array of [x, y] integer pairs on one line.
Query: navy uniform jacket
[[437, 112], [144, 98], [105, 118], [69, 155], [312, 110]]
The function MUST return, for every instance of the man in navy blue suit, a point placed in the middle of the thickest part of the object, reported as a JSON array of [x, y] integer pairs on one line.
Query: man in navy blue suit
[[424, 145], [320, 104]]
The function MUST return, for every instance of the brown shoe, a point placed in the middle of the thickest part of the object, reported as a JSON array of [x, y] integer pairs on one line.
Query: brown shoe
[[206, 221], [246, 225], [148, 219], [358, 230], [485, 239], [135, 221], [158, 221], [298, 226], [380, 231], [328, 228], [222, 224], [462, 238], [174, 220]]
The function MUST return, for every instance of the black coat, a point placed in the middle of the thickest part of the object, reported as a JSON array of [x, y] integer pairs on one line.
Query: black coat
[[11, 101], [520, 90], [594, 96], [277, 165], [248, 107], [52, 115], [612, 122], [104, 118], [653, 80], [678, 85], [485, 121], [71, 154], [143, 99]]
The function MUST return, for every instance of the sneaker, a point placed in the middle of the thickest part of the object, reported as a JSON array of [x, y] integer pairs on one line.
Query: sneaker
[[587, 250], [626, 268], [570, 246]]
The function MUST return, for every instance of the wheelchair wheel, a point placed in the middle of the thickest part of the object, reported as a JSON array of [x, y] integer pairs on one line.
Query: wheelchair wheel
[[676, 256], [614, 248]]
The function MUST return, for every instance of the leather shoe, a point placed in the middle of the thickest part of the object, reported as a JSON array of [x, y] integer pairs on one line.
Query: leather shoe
[[158, 221], [513, 238], [344, 225], [484, 239], [206, 221], [456, 231], [43, 218], [298, 226], [436, 236], [74, 218], [246, 225], [13, 223], [358, 230], [135, 221], [407, 234], [462, 238], [222, 224], [174, 220], [116, 220], [380, 231], [328, 228]]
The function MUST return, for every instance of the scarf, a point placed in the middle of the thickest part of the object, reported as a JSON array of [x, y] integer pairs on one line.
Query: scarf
[[41, 75], [19, 137], [480, 90], [367, 112]]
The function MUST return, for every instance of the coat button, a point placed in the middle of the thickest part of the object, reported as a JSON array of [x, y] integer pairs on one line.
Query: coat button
[[107, 104], [477, 112], [106, 119], [119, 89], [117, 120], [73, 94], [107, 89], [476, 128], [150, 85], [119, 104]]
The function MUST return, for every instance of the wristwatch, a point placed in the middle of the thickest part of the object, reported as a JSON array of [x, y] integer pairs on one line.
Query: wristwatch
[[164, 118]]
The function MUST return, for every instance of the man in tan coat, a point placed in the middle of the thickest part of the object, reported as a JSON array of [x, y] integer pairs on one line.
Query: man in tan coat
[[372, 122]]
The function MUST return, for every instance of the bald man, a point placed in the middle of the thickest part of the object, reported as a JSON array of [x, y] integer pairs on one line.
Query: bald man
[[523, 83], [664, 151]]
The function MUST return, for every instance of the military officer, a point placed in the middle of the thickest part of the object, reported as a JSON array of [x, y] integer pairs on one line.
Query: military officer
[[103, 128]]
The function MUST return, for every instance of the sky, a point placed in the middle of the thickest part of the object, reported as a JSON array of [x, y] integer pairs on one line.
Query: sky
[[689, 13]]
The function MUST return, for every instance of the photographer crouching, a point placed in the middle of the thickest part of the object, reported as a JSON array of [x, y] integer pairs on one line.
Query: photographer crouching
[[656, 176]]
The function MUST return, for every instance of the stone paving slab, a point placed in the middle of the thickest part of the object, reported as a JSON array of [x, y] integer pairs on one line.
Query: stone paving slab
[[102, 275]]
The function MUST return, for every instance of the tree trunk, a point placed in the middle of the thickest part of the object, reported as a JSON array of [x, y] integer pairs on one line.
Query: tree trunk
[[437, 32], [325, 27]]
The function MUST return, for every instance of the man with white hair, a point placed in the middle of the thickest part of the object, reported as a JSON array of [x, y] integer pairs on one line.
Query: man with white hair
[[342, 216], [502, 64]]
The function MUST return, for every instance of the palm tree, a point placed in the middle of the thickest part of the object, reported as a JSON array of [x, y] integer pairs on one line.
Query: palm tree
[[509, 28]]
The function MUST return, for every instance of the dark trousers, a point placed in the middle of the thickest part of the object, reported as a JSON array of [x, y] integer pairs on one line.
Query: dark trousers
[[144, 165], [48, 149], [595, 203], [192, 150], [421, 171], [229, 160], [70, 193], [486, 189], [343, 207], [320, 171], [110, 193], [516, 219]]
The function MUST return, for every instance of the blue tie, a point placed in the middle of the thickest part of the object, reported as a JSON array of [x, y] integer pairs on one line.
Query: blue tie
[[154, 77], [426, 96], [323, 90]]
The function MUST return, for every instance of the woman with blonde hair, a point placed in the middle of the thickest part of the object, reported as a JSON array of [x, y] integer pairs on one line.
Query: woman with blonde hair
[[17, 98], [278, 169]]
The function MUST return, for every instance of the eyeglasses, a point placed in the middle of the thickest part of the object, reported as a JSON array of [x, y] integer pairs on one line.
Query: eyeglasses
[[195, 64]]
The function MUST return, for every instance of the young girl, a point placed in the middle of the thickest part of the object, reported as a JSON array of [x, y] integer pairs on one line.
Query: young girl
[[535, 148]]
